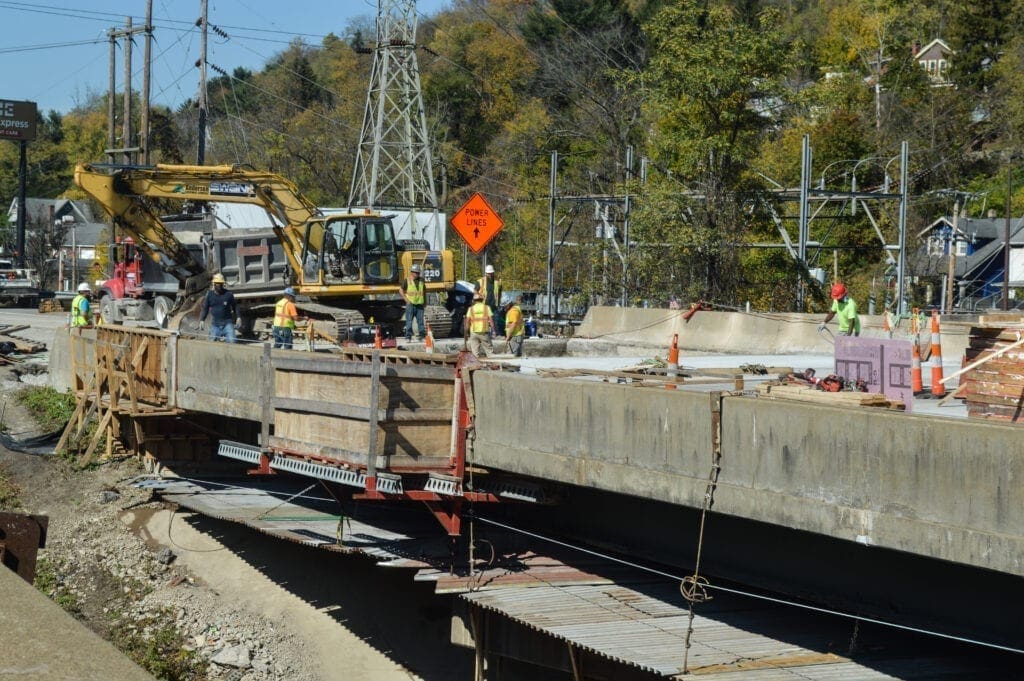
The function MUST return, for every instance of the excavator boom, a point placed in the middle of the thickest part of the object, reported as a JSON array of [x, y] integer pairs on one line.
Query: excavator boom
[[350, 264]]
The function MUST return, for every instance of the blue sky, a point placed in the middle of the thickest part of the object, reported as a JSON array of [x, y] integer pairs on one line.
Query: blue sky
[[40, 65]]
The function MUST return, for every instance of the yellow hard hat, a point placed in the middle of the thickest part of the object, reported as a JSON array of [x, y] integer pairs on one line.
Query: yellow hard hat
[[218, 278]]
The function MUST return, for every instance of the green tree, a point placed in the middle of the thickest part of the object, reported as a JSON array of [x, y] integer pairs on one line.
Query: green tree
[[977, 32], [713, 89]]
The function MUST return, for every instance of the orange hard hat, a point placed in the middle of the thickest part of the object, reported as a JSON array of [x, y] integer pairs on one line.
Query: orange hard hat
[[838, 291]]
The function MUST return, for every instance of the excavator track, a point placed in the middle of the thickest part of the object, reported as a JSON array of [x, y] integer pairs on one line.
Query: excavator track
[[439, 319]]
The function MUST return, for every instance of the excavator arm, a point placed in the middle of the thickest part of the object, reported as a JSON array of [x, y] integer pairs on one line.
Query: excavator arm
[[126, 194]]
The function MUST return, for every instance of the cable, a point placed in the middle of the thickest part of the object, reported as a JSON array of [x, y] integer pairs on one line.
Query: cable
[[756, 596], [48, 46]]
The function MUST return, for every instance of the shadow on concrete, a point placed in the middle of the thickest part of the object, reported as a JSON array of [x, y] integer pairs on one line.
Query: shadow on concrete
[[384, 607]]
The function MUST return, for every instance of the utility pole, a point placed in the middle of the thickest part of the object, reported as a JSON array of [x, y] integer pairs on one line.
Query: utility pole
[[147, 58], [126, 134], [551, 234], [952, 257], [111, 134], [201, 148], [394, 164], [1006, 235]]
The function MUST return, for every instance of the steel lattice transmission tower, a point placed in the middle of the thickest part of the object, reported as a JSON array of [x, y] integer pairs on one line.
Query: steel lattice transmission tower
[[394, 167]]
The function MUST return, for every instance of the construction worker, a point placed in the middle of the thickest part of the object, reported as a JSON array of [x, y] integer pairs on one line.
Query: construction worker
[[846, 309], [479, 326], [515, 326], [415, 298], [490, 287], [285, 314], [219, 304], [80, 313]]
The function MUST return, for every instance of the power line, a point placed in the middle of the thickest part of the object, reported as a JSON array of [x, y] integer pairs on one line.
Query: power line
[[50, 46]]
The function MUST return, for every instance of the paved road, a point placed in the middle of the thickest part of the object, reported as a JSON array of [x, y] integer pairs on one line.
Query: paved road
[[41, 326]]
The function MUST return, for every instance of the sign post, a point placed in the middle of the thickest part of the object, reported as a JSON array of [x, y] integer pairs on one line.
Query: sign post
[[18, 124], [477, 223]]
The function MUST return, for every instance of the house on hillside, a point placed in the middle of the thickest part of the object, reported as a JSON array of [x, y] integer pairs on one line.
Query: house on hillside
[[977, 246], [71, 247], [934, 59]]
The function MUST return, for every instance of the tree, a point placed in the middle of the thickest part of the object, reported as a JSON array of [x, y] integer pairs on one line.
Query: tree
[[713, 89], [977, 32], [43, 242]]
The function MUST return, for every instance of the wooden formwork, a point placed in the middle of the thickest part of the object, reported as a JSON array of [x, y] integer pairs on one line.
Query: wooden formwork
[[376, 410], [121, 373]]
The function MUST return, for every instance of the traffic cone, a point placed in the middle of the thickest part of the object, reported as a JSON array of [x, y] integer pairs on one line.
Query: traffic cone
[[916, 384], [938, 389], [378, 341], [428, 342], [673, 362], [886, 326]]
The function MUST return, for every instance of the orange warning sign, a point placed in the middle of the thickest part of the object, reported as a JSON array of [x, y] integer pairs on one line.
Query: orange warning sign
[[477, 223]]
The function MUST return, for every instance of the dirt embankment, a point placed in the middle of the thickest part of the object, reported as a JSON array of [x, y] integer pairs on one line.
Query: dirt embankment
[[177, 600]]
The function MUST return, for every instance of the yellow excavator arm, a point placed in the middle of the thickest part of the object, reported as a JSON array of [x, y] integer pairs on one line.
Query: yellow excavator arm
[[126, 194]]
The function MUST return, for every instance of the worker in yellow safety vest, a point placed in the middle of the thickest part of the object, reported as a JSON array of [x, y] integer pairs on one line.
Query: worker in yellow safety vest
[[415, 299], [515, 326], [490, 287], [479, 327], [285, 315], [80, 312]]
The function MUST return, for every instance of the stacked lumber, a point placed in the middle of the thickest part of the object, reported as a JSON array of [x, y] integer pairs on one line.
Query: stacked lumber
[[840, 399], [23, 346], [994, 389], [50, 305]]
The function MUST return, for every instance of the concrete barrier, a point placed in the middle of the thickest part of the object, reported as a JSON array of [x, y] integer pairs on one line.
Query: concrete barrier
[[631, 330], [925, 485]]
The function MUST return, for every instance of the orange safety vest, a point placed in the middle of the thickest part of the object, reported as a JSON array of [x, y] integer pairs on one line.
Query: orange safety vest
[[284, 314], [479, 317]]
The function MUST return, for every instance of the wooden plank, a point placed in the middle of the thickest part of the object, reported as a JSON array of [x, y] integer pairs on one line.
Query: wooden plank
[[101, 430], [371, 467], [322, 408], [842, 398], [355, 390]]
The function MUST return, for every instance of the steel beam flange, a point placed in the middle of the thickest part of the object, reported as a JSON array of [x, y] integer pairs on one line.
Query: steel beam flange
[[445, 486], [342, 476], [389, 483], [240, 451]]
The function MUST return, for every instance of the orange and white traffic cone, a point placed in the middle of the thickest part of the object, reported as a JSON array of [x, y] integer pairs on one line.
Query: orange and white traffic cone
[[673, 362], [916, 383], [428, 342], [378, 341], [938, 388]]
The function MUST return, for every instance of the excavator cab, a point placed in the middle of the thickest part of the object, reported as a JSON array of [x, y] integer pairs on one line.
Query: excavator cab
[[349, 249]]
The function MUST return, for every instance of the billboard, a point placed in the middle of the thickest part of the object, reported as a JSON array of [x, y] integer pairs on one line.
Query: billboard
[[17, 120]]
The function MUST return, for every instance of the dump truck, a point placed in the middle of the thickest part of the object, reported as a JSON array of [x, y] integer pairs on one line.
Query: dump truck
[[346, 267], [18, 285]]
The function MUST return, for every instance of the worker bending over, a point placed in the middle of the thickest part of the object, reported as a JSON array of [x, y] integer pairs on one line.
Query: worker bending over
[[845, 308]]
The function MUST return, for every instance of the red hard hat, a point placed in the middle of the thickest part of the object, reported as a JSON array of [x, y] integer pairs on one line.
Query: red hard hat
[[838, 291]]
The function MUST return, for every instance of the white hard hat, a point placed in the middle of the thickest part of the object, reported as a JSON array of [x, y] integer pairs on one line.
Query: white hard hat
[[489, 269], [415, 268], [84, 287]]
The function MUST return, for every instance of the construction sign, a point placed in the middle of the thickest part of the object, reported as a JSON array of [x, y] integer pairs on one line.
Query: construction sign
[[477, 223]]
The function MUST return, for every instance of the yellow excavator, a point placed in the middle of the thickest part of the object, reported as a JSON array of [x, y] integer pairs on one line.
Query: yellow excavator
[[346, 267]]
